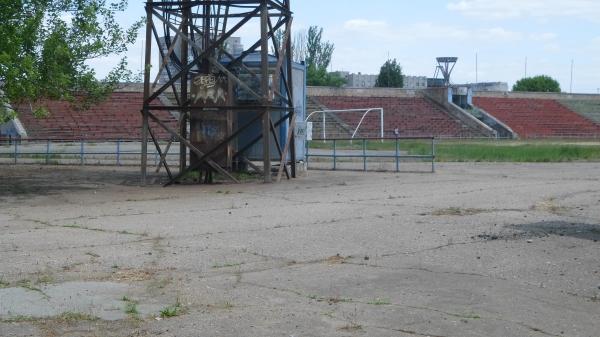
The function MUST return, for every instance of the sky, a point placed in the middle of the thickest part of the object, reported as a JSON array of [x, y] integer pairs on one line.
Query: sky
[[502, 35]]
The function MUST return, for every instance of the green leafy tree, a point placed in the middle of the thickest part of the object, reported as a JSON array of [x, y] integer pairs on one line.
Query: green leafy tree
[[390, 75], [318, 55], [45, 44], [541, 83]]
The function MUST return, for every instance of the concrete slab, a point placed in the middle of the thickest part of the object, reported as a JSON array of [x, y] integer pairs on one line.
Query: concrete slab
[[474, 250]]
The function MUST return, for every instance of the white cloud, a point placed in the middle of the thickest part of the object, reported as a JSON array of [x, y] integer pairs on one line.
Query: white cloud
[[428, 31], [541, 9]]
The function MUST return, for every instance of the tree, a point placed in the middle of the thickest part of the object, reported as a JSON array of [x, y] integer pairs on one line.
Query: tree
[[45, 45], [318, 58], [390, 75], [310, 48], [541, 83]]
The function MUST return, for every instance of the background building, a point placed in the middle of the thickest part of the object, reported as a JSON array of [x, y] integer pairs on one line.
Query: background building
[[361, 80]]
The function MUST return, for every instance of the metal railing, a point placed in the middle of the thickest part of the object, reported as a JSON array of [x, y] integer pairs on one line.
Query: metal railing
[[83, 152], [350, 151]]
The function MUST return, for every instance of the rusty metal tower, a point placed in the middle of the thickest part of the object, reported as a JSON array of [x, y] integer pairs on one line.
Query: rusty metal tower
[[217, 96]]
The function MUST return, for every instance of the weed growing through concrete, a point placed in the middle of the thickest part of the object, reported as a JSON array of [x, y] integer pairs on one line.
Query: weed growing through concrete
[[130, 307], [76, 316], [223, 306], [3, 284], [455, 211], [92, 254], [27, 284], [45, 279], [351, 321], [227, 265], [19, 319], [379, 301], [172, 310]]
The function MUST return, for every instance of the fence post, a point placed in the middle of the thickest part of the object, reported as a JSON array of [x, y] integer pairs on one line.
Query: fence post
[[397, 155], [306, 154], [47, 151], [432, 155], [334, 155], [81, 153], [16, 150], [382, 125], [119, 152], [364, 155], [324, 132]]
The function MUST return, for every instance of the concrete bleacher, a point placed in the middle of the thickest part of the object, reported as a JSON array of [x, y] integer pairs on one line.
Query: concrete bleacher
[[589, 109], [538, 117], [411, 114], [116, 118]]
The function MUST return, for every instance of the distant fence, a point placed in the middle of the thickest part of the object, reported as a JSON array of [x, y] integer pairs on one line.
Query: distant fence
[[372, 154], [113, 152]]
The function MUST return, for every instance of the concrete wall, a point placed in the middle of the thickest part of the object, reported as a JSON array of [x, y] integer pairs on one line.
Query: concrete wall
[[538, 95], [415, 82], [361, 92], [443, 97], [489, 86]]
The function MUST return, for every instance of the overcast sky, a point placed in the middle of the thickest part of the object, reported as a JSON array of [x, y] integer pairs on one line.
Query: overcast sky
[[503, 33]]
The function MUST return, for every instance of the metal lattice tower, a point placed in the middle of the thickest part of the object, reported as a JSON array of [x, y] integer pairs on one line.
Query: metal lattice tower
[[445, 67], [214, 91]]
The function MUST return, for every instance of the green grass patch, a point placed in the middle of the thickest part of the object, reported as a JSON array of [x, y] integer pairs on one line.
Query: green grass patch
[[172, 310], [227, 265], [4, 284], [481, 150], [131, 308], [380, 301]]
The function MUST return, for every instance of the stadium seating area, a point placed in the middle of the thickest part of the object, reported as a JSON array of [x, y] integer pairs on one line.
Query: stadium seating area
[[119, 117], [587, 108], [413, 116], [116, 118], [538, 118]]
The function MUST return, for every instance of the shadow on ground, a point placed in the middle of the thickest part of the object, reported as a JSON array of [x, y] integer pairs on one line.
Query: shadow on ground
[[25, 181], [560, 228]]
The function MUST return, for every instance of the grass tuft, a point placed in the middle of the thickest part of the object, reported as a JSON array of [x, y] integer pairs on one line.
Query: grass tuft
[[379, 301], [172, 310]]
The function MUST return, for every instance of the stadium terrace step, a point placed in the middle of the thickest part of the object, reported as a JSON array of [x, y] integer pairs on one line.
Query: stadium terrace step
[[116, 118], [412, 116], [538, 118]]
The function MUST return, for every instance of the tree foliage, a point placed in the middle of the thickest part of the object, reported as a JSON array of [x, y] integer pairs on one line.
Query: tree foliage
[[45, 44], [390, 75], [318, 58], [541, 83], [316, 53]]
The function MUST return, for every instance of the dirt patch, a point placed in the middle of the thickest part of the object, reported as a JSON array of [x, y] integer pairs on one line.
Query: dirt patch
[[550, 206], [132, 275], [336, 259]]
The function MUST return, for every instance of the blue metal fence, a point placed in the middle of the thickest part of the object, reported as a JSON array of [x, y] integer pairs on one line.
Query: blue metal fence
[[355, 150], [104, 152]]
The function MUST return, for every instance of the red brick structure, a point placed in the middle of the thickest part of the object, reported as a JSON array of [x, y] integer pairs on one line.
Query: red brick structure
[[538, 118], [118, 117]]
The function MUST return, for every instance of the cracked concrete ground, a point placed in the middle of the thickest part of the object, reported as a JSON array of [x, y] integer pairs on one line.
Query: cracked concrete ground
[[473, 250]]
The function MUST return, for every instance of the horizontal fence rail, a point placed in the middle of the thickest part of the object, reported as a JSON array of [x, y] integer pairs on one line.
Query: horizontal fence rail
[[109, 152], [353, 149]]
